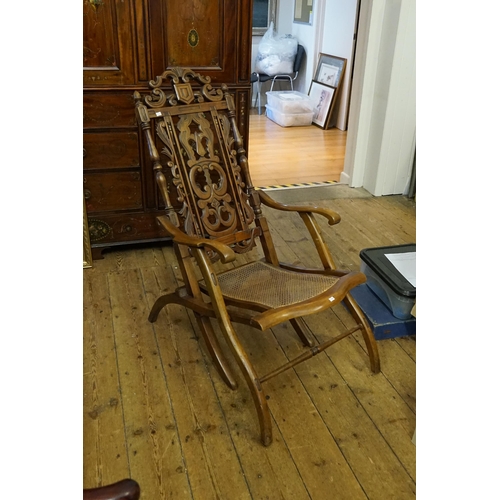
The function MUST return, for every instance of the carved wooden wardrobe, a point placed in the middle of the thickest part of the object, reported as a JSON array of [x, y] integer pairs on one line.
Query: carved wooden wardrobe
[[126, 44]]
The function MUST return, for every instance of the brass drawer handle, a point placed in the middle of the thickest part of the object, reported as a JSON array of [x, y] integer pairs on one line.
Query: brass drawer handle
[[86, 194], [84, 152]]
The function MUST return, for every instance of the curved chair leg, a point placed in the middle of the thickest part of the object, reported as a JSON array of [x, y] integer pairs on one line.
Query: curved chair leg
[[252, 380], [213, 346], [160, 303], [281, 78], [239, 353], [371, 343]]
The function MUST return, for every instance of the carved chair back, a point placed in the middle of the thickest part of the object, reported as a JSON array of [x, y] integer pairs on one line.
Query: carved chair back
[[199, 158]]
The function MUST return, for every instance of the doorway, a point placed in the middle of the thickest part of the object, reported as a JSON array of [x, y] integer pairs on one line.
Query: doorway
[[314, 155]]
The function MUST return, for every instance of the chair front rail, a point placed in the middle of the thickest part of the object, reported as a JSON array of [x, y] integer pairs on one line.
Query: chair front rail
[[313, 351]]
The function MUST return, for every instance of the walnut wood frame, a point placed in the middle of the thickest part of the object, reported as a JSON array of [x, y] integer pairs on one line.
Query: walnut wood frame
[[213, 212]]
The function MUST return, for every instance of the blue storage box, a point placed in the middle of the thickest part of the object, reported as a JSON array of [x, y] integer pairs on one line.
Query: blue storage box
[[382, 277], [382, 322]]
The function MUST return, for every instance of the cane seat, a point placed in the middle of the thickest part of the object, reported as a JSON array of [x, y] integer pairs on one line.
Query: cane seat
[[213, 214]]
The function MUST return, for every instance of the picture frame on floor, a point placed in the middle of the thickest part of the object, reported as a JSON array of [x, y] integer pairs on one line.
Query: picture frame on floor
[[323, 97], [330, 70]]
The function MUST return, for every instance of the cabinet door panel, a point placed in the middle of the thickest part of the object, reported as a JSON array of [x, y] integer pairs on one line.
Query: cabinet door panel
[[207, 36], [194, 33], [107, 43]]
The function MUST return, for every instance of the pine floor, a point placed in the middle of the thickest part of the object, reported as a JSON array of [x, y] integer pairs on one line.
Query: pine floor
[[287, 155], [156, 410]]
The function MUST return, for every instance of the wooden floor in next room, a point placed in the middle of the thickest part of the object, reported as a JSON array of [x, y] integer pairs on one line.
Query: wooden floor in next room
[[290, 155]]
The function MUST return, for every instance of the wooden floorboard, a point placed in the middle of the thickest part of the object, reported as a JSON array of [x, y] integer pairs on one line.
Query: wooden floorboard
[[155, 408]]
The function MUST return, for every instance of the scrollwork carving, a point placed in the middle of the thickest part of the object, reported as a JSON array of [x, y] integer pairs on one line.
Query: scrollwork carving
[[205, 157], [178, 78], [168, 150], [157, 99], [199, 143]]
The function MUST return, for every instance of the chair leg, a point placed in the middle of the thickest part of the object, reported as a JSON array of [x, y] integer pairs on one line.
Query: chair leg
[[213, 346], [259, 87], [160, 303], [371, 343], [252, 380], [239, 353], [301, 329], [289, 77]]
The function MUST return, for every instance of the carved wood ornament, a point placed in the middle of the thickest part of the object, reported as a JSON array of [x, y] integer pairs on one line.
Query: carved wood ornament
[[206, 165]]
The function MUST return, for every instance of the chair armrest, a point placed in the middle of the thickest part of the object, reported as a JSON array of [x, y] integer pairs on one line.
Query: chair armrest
[[225, 253], [330, 215]]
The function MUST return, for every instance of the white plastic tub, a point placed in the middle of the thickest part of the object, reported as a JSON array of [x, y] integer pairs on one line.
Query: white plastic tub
[[290, 102], [289, 120]]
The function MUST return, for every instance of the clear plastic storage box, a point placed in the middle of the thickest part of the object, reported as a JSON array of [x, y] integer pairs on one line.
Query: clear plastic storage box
[[289, 119], [290, 102], [393, 289]]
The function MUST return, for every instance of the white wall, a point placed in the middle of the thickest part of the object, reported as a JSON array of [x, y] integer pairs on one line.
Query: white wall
[[381, 140], [308, 35], [285, 15]]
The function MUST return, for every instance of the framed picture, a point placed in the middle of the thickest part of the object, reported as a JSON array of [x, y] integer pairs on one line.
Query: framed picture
[[303, 11], [330, 70], [322, 96]]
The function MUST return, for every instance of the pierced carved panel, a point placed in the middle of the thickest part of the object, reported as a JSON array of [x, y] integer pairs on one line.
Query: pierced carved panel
[[196, 126], [206, 174]]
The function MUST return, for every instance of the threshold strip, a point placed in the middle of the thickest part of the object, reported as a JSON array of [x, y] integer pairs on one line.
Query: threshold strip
[[297, 185]]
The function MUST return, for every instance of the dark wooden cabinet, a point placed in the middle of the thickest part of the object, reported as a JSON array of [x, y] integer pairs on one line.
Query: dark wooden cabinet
[[126, 44]]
